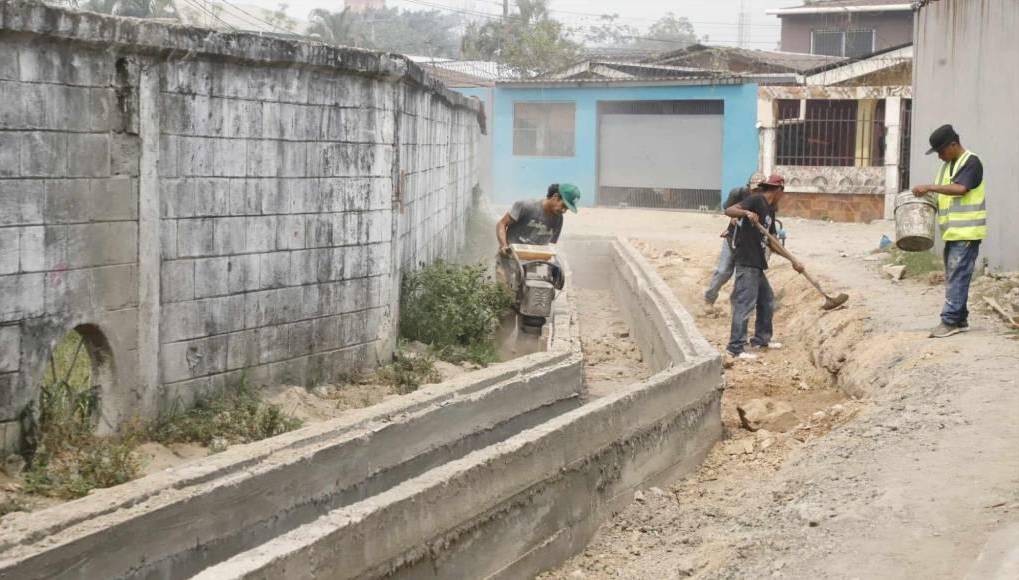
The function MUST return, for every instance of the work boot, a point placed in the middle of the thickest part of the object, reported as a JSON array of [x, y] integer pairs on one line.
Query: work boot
[[945, 330], [773, 345]]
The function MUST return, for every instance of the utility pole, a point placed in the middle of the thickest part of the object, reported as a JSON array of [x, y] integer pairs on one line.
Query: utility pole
[[743, 33], [505, 9]]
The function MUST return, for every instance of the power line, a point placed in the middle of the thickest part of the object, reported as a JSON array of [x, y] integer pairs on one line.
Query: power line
[[197, 4]]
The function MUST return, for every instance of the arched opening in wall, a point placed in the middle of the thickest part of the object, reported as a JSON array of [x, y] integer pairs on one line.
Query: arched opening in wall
[[77, 369]]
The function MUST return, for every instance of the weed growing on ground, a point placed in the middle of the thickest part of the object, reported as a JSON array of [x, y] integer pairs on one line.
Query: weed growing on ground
[[918, 264], [454, 309], [235, 414], [408, 372], [12, 504], [67, 459]]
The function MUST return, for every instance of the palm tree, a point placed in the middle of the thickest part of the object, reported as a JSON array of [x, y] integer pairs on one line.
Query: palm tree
[[336, 28]]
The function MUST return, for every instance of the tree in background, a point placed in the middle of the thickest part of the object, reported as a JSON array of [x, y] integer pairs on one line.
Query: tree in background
[[670, 32], [426, 33], [529, 41], [132, 8]]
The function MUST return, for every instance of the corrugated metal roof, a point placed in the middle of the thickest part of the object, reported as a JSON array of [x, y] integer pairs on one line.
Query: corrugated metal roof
[[787, 61]]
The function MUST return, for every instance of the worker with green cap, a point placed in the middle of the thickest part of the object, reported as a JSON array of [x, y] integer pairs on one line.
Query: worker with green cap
[[536, 221]]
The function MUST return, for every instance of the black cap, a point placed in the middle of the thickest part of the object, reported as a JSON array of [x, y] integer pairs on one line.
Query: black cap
[[942, 137]]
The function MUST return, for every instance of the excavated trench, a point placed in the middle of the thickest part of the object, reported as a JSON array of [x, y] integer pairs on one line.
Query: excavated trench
[[505, 471]]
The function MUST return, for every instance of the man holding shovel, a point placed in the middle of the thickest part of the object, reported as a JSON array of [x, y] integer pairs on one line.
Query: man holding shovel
[[726, 260], [751, 291]]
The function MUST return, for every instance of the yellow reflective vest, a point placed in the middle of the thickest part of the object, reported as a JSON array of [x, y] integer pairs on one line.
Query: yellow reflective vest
[[961, 217]]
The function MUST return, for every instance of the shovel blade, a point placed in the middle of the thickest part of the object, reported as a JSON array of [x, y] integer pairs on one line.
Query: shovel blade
[[833, 302]]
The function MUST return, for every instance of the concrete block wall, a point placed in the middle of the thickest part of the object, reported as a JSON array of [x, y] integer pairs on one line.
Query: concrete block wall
[[209, 206]]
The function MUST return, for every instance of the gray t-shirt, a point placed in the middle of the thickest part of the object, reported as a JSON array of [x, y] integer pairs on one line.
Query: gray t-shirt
[[532, 225]]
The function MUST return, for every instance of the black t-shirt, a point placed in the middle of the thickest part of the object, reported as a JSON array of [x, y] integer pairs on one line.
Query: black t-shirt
[[737, 195], [971, 174], [749, 242]]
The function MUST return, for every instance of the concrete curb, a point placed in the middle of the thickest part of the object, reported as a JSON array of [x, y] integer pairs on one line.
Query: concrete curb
[[218, 506], [521, 506]]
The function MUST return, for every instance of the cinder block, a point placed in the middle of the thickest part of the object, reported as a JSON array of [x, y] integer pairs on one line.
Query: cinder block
[[104, 114], [274, 269], [21, 202], [301, 338], [273, 344], [168, 238], [115, 287], [67, 200], [261, 233], [185, 360], [12, 115], [222, 315], [243, 273], [68, 291], [379, 226], [356, 262], [10, 348], [244, 197], [290, 308], [290, 235], [176, 198], [353, 329], [69, 108], [273, 195], [303, 265], [102, 244], [379, 259], [169, 149], [178, 281], [23, 296], [125, 154], [212, 277], [294, 159], [264, 158], [212, 197], [113, 199], [326, 333], [319, 229], [195, 156], [231, 157], [196, 237], [181, 321], [309, 301], [230, 235], [242, 349], [348, 232], [10, 151], [302, 195], [10, 431], [88, 155], [10, 250]]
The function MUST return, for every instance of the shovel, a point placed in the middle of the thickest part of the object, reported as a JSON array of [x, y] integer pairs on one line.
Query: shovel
[[1013, 321], [830, 302]]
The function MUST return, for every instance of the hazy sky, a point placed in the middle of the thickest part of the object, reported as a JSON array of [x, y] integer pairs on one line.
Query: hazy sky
[[716, 18]]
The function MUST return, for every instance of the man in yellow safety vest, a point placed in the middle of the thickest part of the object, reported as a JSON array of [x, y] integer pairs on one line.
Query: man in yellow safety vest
[[962, 215]]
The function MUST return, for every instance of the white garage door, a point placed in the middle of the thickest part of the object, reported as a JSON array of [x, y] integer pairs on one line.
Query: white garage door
[[660, 154]]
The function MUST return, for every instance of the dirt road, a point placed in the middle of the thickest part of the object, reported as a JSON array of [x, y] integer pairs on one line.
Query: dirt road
[[913, 480]]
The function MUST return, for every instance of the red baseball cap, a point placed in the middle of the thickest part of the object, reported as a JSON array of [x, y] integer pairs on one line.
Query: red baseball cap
[[774, 180]]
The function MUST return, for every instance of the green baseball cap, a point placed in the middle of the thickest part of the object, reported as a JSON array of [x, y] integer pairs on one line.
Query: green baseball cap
[[570, 194]]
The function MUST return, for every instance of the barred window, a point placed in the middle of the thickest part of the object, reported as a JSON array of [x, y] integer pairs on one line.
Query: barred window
[[849, 43]]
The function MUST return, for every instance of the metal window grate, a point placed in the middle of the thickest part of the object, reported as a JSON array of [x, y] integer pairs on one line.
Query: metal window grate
[[830, 133], [906, 128], [660, 198]]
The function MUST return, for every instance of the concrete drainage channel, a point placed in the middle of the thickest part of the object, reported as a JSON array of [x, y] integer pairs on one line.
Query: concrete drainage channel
[[501, 473]]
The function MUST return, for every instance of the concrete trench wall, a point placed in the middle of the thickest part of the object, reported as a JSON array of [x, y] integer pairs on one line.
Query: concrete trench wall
[[524, 504], [210, 207], [176, 523]]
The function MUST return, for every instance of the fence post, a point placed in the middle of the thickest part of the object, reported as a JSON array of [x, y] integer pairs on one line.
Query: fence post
[[893, 134], [766, 126]]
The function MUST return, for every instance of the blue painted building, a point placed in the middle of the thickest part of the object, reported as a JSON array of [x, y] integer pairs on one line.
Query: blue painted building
[[674, 143]]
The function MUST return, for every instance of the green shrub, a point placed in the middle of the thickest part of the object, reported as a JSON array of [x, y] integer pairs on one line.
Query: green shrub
[[917, 263], [67, 459], [408, 372], [235, 414], [452, 307]]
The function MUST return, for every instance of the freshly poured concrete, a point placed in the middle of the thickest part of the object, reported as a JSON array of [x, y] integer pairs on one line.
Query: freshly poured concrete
[[523, 505]]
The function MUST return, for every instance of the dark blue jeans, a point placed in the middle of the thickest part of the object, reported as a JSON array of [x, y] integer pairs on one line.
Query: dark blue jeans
[[960, 261], [751, 292]]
